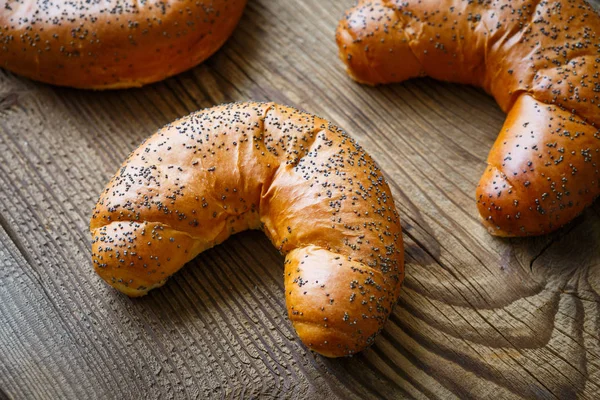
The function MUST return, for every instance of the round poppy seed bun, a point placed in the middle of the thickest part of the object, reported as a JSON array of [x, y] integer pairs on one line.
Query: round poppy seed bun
[[111, 44], [316, 194], [538, 59]]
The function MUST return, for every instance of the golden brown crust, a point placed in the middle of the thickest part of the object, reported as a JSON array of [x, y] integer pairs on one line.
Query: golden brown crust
[[538, 59], [111, 44], [317, 195]]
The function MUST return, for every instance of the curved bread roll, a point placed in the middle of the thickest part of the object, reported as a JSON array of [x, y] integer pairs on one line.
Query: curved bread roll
[[317, 195], [111, 44], [539, 59]]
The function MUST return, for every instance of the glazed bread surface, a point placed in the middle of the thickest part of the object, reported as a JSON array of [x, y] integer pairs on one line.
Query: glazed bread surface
[[538, 59], [317, 195], [111, 44]]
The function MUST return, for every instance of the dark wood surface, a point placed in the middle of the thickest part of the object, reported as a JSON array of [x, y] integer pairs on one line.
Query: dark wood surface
[[479, 316]]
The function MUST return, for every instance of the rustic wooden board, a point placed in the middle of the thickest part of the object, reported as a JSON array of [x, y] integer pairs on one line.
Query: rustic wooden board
[[478, 317]]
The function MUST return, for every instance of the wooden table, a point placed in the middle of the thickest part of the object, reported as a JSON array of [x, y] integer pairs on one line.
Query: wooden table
[[478, 317]]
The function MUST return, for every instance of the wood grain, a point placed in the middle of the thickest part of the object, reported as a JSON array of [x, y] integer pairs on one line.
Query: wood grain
[[479, 317]]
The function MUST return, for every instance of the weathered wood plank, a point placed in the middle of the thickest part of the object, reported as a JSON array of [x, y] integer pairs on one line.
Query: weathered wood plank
[[478, 317]]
